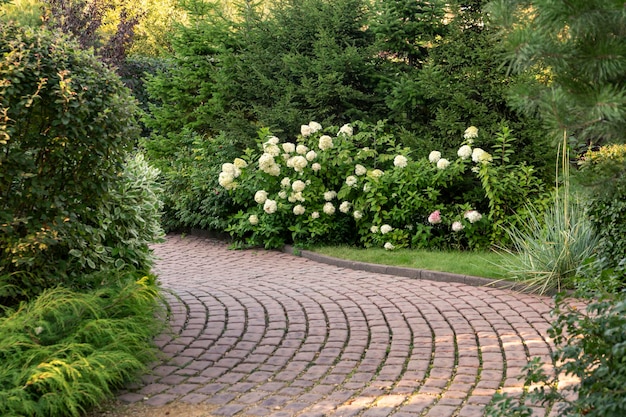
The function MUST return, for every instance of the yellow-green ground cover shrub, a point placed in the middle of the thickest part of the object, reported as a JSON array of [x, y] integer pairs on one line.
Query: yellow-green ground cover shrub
[[65, 351]]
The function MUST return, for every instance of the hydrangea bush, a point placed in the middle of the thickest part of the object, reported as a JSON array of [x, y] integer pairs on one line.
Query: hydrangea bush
[[354, 184]]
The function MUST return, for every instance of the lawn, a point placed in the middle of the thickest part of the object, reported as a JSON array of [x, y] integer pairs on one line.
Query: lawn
[[480, 264]]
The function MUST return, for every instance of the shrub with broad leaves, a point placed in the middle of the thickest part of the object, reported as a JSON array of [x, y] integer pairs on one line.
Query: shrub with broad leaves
[[70, 201], [355, 185]]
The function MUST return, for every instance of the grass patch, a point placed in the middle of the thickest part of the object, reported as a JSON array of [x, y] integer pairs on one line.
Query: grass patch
[[479, 264]]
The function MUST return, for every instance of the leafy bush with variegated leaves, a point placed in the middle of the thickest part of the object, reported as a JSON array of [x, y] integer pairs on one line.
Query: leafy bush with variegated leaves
[[355, 185]]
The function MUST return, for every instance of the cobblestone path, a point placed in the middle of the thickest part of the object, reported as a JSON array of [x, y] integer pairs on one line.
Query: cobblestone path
[[263, 333]]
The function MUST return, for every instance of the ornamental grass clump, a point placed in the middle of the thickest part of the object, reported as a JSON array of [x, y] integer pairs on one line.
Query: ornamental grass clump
[[551, 248], [355, 185]]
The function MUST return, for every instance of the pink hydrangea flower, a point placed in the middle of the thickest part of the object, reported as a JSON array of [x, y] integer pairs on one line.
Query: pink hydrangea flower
[[434, 217]]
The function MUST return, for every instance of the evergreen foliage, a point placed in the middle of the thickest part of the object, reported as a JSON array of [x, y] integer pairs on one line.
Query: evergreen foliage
[[458, 82], [577, 51], [407, 29], [300, 60]]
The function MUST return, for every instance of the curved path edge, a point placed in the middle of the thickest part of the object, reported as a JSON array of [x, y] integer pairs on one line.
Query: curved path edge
[[405, 272]]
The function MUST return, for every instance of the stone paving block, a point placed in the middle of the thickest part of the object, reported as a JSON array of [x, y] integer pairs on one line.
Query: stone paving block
[[222, 398], [315, 338], [153, 389], [194, 398], [131, 398], [160, 400], [229, 410]]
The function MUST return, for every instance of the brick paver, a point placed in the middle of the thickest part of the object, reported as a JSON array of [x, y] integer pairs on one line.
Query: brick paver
[[266, 333]]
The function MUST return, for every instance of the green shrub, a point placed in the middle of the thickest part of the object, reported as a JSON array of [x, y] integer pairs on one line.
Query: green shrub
[[191, 195], [364, 188], [604, 171], [267, 67], [445, 77], [116, 233], [65, 351], [591, 348], [66, 126]]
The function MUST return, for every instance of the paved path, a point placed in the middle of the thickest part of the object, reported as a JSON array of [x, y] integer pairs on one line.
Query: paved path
[[261, 333]]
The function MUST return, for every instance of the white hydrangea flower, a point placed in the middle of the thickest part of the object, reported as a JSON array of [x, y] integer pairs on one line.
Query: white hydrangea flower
[[385, 228], [299, 210], [271, 148], [298, 163], [298, 196], [476, 154], [400, 161], [472, 216], [471, 132], [274, 170], [226, 180], [457, 226], [325, 142], [434, 157], [480, 156], [266, 160], [285, 182], [351, 181], [358, 215], [270, 206], [329, 209], [292, 198], [329, 195], [389, 246], [253, 219], [315, 215], [366, 188], [229, 168], [374, 229], [346, 130], [306, 130], [311, 155], [316, 167], [298, 185], [273, 140], [282, 194], [315, 127], [377, 173], [240, 163], [344, 207], [301, 149], [289, 147], [464, 152], [260, 196], [443, 163], [360, 170]]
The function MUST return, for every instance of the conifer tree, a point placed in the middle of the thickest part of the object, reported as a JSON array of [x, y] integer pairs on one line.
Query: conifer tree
[[577, 50]]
